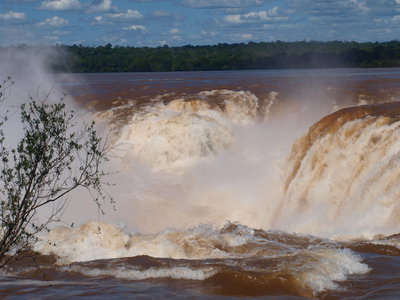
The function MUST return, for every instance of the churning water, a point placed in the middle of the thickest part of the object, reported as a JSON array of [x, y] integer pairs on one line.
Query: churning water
[[232, 184]]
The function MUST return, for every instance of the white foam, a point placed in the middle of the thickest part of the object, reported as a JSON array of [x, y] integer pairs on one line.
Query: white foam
[[95, 240], [318, 267], [391, 241], [329, 266], [132, 274]]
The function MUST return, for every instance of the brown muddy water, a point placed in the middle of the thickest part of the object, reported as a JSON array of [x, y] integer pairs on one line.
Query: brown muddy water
[[230, 185]]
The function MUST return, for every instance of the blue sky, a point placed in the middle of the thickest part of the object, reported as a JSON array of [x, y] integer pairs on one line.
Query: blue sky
[[197, 22]]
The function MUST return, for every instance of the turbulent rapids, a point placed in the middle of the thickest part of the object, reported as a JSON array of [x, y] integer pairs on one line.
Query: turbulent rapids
[[256, 261], [228, 192]]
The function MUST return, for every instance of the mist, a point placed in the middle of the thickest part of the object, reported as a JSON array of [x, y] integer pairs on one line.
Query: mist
[[183, 163], [186, 163], [32, 78]]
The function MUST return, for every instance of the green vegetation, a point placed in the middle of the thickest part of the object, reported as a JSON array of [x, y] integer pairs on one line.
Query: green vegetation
[[274, 55], [53, 157], [271, 55]]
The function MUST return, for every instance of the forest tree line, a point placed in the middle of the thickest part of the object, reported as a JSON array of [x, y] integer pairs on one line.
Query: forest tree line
[[240, 56]]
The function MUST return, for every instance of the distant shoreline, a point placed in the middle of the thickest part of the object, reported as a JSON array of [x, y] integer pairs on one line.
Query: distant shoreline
[[241, 70], [222, 57]]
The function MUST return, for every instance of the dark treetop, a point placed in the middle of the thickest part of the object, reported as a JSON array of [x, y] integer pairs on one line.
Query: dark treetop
[[271, 55]]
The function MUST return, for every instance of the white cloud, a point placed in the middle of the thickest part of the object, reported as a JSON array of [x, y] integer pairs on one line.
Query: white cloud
[[273, 11], [12, 16], [241, 37], [166, 16], [208, 33], [163, 13], [102, 6], [135, 28], [360, 5], [61, 32], [246, 36], [61, 5], [253, 17], [221, 3], [176, 38], [51, 38], [174, 31], [111, 18], [113, 39], [396, 18], [54, 22], [128, 15]]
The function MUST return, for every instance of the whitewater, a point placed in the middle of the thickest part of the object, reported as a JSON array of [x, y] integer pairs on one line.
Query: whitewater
[[255, 187]]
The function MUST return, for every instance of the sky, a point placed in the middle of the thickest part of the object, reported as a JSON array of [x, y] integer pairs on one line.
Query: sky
[[197, 22]]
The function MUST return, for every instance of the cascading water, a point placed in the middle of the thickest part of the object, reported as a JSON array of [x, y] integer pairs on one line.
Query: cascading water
[[187, 144], [222, 192], [342, 177]]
